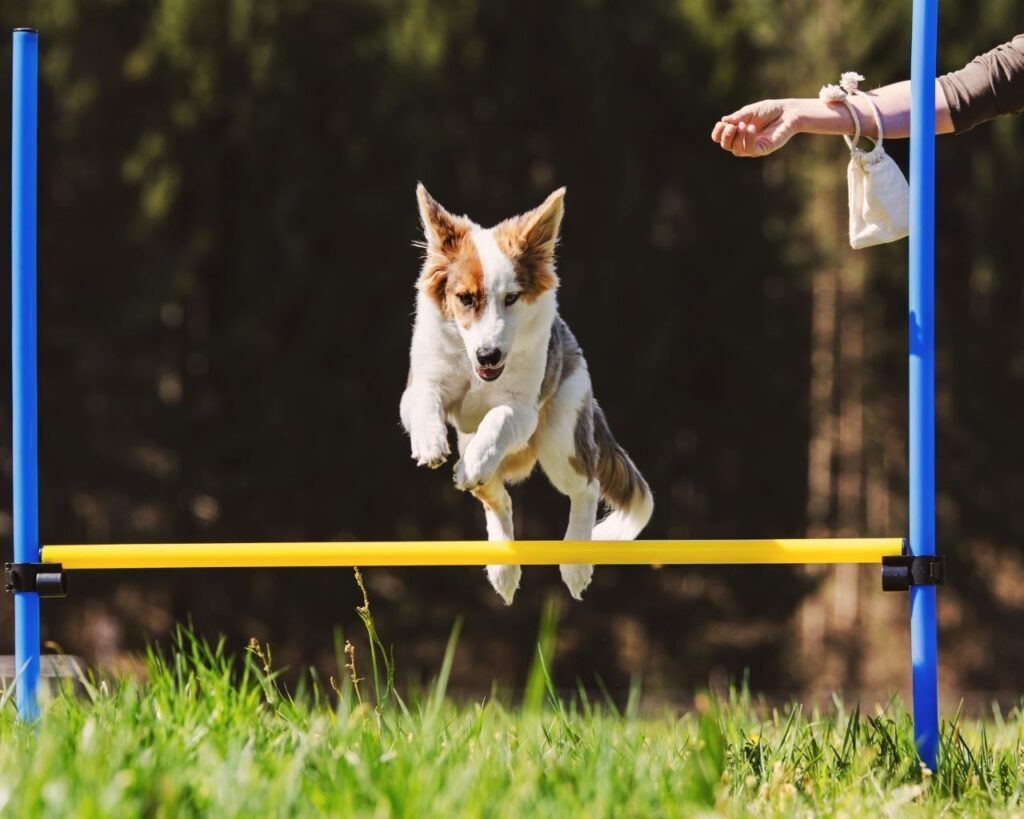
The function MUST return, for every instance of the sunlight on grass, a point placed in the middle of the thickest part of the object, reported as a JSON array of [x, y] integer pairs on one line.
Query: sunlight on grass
[[208, 733]]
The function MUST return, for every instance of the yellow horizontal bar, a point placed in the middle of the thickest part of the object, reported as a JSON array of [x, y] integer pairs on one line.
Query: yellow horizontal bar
[[470, 553]]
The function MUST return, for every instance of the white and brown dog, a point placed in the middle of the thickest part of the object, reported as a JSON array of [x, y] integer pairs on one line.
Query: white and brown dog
[[492, 357]]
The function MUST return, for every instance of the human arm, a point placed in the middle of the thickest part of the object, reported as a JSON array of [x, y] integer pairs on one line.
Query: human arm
[[990, 85], [763, 127]]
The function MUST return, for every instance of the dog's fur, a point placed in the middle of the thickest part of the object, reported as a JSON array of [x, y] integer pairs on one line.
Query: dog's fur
[[492, 357]]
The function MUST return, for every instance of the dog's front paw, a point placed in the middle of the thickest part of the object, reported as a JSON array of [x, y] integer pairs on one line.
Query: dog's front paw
[[577, 577], [470, 474], [462, 477], [471, 471], [430, 448], [505, 580]]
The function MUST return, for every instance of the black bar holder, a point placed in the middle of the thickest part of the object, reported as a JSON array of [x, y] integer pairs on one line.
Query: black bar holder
[[46, 579], [900, 572]]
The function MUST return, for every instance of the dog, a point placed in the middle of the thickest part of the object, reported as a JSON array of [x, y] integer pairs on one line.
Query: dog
[[491, 356]]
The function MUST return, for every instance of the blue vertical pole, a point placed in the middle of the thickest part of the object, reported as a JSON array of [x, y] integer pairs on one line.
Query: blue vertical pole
[[23, 360], [923, 638]]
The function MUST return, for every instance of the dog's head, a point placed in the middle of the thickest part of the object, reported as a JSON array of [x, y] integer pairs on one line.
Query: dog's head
[[486, 280]]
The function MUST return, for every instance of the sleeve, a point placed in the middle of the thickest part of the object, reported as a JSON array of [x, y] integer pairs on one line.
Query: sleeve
[[990, 85]]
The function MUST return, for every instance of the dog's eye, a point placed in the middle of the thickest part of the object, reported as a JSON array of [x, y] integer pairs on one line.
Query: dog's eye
[[466, 299], [511, 299]]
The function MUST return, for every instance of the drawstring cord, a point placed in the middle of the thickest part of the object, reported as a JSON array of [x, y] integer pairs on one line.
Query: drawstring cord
[[848, 86]]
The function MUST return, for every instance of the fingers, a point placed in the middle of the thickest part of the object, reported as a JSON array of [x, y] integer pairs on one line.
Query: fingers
[[737, 138], [745, 143], [724, 134], [757, 129], [745, 114], [739, 142]]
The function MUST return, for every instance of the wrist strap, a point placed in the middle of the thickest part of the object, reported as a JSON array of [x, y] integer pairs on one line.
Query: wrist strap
[[852, 143], [878, 120], [831, 94]]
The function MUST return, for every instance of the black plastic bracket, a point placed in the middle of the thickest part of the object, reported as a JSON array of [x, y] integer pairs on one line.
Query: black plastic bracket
[[47, 579], [900, 572]]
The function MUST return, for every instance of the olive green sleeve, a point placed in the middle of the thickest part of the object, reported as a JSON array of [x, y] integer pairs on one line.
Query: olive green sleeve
[[990, 85]]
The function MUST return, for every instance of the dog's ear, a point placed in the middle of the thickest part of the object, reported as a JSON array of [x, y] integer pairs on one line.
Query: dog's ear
[[442, 230], [443, 233], [539, 233], [529, 240]]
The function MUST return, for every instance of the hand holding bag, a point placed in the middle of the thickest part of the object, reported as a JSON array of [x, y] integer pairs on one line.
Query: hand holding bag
[[879, 196]]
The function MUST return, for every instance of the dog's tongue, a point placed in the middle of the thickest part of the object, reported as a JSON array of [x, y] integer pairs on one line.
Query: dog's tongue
[[489, 373]]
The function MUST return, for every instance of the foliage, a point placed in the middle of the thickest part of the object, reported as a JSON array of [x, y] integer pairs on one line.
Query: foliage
[[205, 733], [226, 261]]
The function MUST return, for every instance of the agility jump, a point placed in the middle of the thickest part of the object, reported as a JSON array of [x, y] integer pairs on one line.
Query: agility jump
[[907, 563]]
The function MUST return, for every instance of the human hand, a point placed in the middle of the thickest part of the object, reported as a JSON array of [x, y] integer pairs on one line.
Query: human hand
[[757, 129]]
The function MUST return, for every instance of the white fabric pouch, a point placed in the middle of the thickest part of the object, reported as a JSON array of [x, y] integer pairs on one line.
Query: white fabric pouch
[[879, 195]]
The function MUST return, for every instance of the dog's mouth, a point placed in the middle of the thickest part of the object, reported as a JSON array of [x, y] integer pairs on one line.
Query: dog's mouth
[[490, 373]]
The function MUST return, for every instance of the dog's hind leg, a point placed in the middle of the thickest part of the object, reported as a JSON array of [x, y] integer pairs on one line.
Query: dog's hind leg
[[567, 454], [498, 511], [582, 512]]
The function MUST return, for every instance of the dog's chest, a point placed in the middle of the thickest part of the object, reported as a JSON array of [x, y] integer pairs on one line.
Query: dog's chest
[[475, 404], [519, 384]]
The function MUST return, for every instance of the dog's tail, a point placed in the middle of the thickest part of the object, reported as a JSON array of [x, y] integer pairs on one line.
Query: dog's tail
[[623, 488]]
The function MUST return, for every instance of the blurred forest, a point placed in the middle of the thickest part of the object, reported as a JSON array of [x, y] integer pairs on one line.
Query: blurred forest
[[227, 215]]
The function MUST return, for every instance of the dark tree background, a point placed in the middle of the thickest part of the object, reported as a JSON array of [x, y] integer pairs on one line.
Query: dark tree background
[[226, 270]]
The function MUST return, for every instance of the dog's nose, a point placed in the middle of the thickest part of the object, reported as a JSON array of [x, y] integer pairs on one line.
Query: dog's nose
[[488, 358]]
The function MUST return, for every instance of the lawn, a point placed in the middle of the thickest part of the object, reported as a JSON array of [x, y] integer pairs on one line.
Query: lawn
[[209, 732]]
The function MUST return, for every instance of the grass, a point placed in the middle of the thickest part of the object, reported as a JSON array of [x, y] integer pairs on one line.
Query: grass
[[207, 733]]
